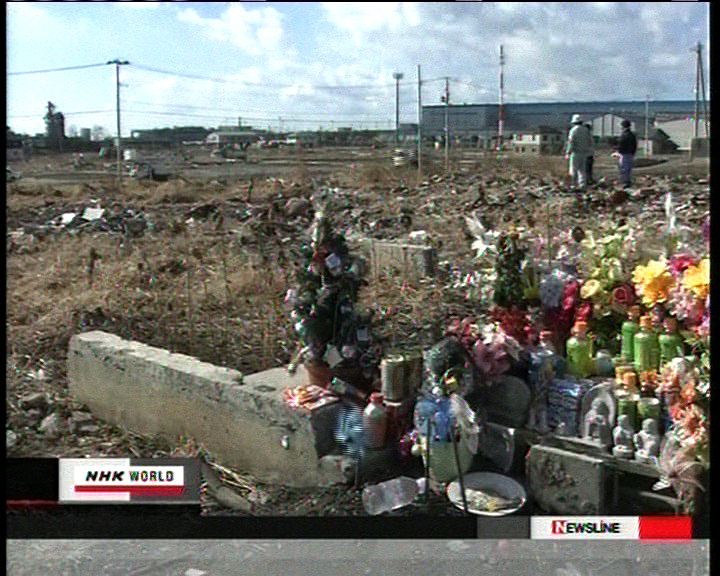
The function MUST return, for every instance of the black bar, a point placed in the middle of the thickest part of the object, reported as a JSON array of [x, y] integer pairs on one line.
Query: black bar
[[32, 479], [173, 522]]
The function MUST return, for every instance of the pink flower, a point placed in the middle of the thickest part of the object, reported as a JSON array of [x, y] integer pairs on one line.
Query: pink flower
[[679, 263]]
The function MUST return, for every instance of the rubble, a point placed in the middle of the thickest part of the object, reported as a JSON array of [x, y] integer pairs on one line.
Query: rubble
[[50, 426], [10, 439], [36, 400]]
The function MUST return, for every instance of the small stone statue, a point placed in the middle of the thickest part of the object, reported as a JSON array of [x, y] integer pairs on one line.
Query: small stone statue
[[623, 437], [647, 441], [597, 427]]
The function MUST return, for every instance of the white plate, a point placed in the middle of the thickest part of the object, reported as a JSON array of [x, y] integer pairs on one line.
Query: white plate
[[497, 483]]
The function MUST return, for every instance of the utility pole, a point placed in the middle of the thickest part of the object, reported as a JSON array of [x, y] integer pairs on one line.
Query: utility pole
[[398, 76], [118, 63], [446, 99], [419, 125], [647, 116], [701, 75], [696, 119], [501, 109]]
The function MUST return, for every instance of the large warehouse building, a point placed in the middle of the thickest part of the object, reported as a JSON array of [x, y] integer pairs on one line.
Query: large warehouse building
[[473, 122]]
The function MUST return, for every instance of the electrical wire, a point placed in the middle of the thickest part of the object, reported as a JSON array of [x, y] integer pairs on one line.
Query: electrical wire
[[55, 69], [270, 85], [235, 110], [252, 118], [80, 113]]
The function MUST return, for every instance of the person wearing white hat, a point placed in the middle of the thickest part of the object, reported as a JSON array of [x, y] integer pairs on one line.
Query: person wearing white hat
[[579, 145]]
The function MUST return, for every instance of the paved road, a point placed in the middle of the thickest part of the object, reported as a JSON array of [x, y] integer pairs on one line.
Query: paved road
[[361, 557]]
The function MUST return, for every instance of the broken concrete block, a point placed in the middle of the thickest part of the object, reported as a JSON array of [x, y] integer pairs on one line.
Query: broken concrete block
[[410, 258], [563, 482], [50, 426], [36, 400], [10, 439], [243, 421]]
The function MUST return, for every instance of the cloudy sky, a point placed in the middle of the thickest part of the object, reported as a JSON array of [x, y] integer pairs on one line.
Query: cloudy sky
[[317, 64]]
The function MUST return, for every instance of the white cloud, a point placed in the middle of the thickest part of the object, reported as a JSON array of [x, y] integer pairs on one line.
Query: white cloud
[[359, 18], [256, 31], [138, 5]]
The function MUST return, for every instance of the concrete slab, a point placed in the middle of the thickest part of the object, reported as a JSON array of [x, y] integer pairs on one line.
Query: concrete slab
[[409, 258], [242, 420]]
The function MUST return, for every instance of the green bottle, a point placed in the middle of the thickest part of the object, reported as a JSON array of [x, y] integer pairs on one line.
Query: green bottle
[[579, 352], [644, 345], [671, 343], [629, 328]]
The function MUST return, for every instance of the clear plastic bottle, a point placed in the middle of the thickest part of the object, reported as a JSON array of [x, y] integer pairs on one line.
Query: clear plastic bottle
[[392, 494]]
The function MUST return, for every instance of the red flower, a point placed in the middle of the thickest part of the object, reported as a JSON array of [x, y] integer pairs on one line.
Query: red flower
[[679, 263], [584, 312], [624, 295]]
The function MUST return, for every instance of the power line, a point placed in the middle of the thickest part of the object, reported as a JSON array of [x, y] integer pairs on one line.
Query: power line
[[64, 114], [254, 118], [271, 85], [238, 112], [55, 69]]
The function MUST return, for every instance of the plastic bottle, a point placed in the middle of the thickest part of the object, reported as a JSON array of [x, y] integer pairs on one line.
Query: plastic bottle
[[579, 352], [644, 346], [375, 421], [392, 494], [629, 328], [671, 343]]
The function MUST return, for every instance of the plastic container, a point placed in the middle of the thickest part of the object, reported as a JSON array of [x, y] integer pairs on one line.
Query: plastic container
[[644, 346], [671, 343], [375, 422], [392, 494], [629, 328], [579, 352]]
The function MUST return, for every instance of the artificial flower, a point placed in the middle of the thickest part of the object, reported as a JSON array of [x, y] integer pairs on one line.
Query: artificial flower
[[697, 278], [624, 295], [679, 263], [584, 312], [591, 289], [653, 282]]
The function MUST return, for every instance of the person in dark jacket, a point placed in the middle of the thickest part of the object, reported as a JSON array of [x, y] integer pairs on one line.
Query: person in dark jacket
[[626, 147], [590, 157]]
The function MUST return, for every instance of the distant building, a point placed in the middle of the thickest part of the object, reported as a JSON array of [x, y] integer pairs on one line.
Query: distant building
[[658, 142], [542, 140], [681, 131], [610, 125], [231, 137], [169, 136], [480, 121], [18, 149]]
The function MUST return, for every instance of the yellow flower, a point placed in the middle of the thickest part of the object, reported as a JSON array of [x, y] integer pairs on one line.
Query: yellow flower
[[590, 289], [697, 278], [653, 281]]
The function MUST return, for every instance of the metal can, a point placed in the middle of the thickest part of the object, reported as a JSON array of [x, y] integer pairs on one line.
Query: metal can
[[413, 372], [392, 377]]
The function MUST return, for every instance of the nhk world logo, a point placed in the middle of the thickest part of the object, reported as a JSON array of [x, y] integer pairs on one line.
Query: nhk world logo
[[129, 480]]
